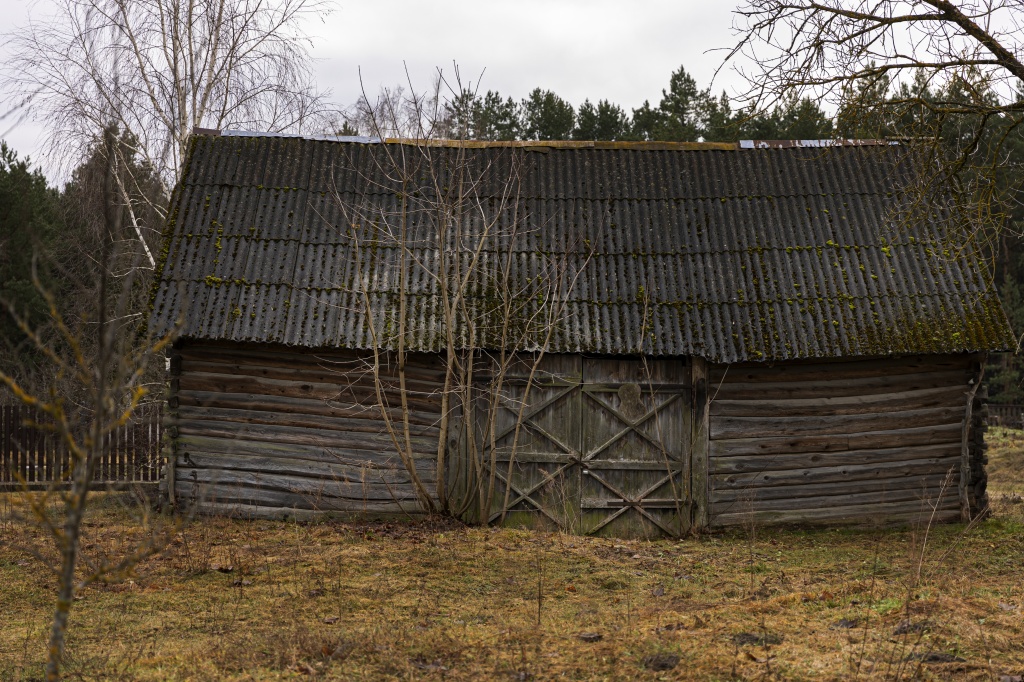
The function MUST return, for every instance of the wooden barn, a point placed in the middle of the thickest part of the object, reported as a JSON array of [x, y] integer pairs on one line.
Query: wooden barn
[[649, 338]]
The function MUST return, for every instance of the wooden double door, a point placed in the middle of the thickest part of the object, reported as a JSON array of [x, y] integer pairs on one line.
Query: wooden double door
[[593, 446]]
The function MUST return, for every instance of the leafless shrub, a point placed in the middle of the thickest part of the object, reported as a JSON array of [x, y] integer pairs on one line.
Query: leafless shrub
[[453, 230], [110, 388]]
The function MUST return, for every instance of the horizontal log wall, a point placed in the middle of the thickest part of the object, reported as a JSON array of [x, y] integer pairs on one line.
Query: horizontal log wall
[[869, 441], [271, 432]]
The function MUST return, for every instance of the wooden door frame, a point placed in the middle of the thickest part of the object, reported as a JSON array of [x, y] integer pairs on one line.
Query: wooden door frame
[[669, 378], [700, 481], [694, 503], [683, 502]]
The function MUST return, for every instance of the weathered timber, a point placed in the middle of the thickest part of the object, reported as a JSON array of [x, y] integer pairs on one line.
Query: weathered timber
[[943, 396], [767, 427], [207, 497], [827, 388], [618, 503], [807, 441], [762, 504], [977, 486], [852, 472], [313, 374], [296, 435], [965, 452], [395, 474], [623, 398], [797, 491], [295, 389], [596, 464], [365, 423], [900, 513], [700, 445], [231, 446], [851, 368], [922, 435], [290, 426], [310, 488], [251, 511], [417, 364], [302, 406], [595, 432], [524, 455], [772, 462]]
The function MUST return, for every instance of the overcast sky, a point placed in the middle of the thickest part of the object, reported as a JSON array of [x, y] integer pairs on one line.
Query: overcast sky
[[621, 51]]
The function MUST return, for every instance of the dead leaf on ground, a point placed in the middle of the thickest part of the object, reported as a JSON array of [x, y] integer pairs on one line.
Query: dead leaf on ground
[[844, 624], [658, 591], [747, 638], [424, 664], [661, 662], [331, 620], [591, 636], [936, 657], [906, 627], [1008, 607], [759, 659], [304, 668]]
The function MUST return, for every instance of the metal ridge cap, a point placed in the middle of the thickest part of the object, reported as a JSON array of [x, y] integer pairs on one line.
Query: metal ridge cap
[[364, 139], [817, 144], [481, 144], [544, 145]]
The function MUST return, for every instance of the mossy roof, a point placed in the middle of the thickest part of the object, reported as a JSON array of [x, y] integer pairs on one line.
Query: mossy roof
[[729, 254]]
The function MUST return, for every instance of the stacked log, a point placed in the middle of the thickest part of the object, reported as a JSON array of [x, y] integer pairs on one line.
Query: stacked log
[[273, 431], [863, 441]]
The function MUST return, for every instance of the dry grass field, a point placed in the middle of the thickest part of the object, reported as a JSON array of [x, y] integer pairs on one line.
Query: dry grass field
[[237, 600]]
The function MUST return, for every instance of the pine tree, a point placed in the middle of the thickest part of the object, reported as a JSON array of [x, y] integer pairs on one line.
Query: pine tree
[[28, 227], [546, 116], [606, 121]]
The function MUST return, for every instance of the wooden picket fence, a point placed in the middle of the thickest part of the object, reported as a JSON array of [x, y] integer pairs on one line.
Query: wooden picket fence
[[1011, 416], [34, 457]]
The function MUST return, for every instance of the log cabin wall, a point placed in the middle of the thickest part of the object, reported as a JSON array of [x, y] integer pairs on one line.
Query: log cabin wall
[[868, 441], [269, 431]]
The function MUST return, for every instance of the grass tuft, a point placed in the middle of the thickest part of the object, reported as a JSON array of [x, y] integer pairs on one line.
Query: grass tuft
[[243, 600]]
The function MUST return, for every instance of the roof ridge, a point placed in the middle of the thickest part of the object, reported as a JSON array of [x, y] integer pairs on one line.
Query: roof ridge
[[543, 145]]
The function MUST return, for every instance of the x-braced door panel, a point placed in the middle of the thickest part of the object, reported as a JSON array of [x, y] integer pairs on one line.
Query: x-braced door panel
[[602, 446], [537, 476], [635, 462]]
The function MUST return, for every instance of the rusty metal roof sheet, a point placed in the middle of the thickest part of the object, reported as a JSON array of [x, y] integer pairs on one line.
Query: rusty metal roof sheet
[[734, 255]]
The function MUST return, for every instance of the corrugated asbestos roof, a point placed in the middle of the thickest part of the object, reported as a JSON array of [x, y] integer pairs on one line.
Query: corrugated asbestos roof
[[733, 255]]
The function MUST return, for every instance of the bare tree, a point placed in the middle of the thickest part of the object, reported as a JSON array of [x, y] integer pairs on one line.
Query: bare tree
[[944, 75], [455, 228], [401, 111], [103, 357], [828, 45], [156, 69]]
